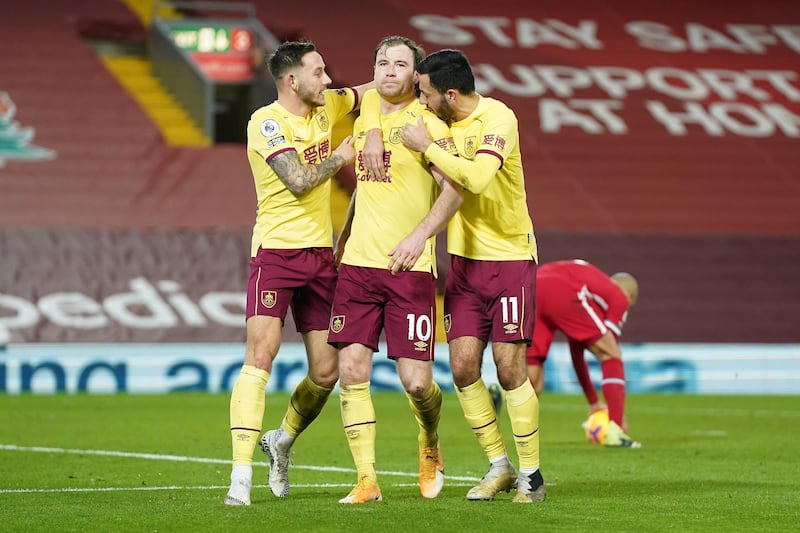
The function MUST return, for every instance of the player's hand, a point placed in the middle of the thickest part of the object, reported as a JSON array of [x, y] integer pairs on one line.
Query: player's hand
[[346, 150], [404, 256], [372, 154], [597, 406], [415, 137]]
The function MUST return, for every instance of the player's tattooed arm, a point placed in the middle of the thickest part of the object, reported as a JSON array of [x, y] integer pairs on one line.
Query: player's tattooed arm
[[300, 178]]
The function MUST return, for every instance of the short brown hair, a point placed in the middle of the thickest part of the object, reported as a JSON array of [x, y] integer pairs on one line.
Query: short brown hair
[[287, 56], [394, 40]]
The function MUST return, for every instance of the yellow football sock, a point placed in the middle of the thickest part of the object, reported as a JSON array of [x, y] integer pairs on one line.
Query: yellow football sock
[[427, 410], [358, 417], [479, 412], [306, 402], [247, 412], [523, 410]]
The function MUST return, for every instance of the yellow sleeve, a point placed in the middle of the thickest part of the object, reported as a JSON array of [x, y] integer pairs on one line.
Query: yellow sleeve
[[371, 110], [439, 132], [268, 134], [340, 102], [474, 175]]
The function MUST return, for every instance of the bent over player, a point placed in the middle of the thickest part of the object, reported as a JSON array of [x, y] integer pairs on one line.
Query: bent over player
[[590, 308]]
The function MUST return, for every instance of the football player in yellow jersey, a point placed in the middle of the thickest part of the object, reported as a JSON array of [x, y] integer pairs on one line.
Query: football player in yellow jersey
[[489, 293], [292, 263], [388, 286]]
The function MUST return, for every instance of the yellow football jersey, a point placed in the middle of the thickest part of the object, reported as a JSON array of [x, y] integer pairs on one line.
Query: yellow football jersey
[[494, 225], [388, 209], [286, 220]]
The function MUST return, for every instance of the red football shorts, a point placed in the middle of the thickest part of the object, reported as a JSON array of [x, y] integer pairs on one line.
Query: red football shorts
[[371, 300], [304, 279], [571, 312], [491, 300]]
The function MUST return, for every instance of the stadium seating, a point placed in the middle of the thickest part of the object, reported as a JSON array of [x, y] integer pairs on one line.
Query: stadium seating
[[112, 167]]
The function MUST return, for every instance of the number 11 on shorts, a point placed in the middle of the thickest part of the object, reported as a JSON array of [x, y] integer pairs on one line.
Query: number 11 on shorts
[[509, 303]]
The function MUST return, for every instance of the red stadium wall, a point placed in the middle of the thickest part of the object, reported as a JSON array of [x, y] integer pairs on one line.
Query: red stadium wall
[[658, 138], [634, 116]]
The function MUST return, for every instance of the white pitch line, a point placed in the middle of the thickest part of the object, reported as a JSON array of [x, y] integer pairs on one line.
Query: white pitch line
[[112, 453], [209, 487], [710, 433], [186, 459], [107, 489]]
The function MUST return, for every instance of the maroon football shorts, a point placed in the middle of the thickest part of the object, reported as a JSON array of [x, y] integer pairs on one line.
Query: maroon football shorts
[[369, 300], [491, 300], [304, 279]]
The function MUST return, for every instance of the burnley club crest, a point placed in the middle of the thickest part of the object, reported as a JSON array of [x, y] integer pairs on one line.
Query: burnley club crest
[[337, 323], [269, 298]]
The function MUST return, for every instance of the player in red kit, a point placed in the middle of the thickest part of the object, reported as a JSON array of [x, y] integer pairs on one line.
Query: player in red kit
[[590, 308]]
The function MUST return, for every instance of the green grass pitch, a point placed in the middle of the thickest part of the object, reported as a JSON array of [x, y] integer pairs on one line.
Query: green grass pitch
[[161, 463]]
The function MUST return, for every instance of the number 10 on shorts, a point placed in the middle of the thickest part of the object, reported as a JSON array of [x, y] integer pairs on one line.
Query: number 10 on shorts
[[419, 327]]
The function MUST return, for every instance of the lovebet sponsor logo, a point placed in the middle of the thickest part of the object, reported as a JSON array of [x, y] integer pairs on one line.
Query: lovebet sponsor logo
[[145, 305]]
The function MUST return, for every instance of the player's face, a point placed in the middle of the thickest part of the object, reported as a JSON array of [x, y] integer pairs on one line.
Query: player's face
[[394, 73], [312, 80], [433, 99]]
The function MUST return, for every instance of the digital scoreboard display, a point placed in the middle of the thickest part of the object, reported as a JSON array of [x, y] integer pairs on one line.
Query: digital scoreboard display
[[223, 52]]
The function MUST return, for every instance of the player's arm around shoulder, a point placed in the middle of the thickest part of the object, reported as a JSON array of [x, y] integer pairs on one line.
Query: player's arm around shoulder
[[440, 133], [473, 174], [373, 151], [361, 91], [346, 100], [437, 131]]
